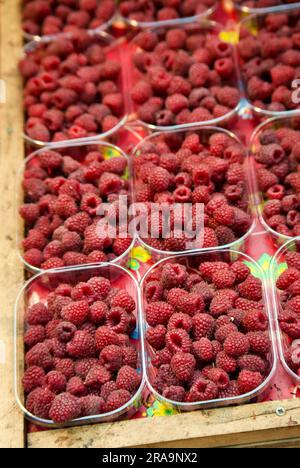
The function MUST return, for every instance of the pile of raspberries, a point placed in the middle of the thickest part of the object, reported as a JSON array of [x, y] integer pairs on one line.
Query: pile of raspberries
[[207, 329], [288, 285], [63, 191], [184, 75], [270, 61], [277, 170], [263, 3], [79, 358], [163, 10], [73, 88], [197, 167], [49, 17]]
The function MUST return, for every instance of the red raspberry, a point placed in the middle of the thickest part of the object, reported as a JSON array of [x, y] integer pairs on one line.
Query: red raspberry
[[124, 300], [183, 365], [231, 391], [108, 388], [251, 289], [245, 304], [219, 377], [78, 223], [236, 345], [34, 257], [252, 363], [220, 304], [154, 291], [173, 275], [128, 379], [159, 180], [82, 345], [129, 356], [105, 336], [97, 375], [34, 335], [34, 240], [287, 278], [109, 183], [224, 279], [38, 314], [117, 399], [191, 304], [76, 312], [56, 382], [203, 350], [203, 326], [223, 332], [65, 331], [240, 270], [174, 393], [260, 342], [223, 361], [111, 357], [98, 312], [42, 402], [255, 320], [178, 340], [92, 405], [249, 381], [33, 377], [202, 390], [158, 313], [83, 366], [64, 408], [101, 286], [39, 356], [293, 260], [29, 212], [180, 321], [141, 92], [156, 336], [76, 387]]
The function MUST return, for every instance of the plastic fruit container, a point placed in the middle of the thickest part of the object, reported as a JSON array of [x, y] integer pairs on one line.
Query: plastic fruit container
[[273, 95], [146, 18], [175, 138], [38, 289], [270, 126], [261, 6], [285, 342], [55, 20], [192, 261], [76, 153], [143, 59], [41, 86]]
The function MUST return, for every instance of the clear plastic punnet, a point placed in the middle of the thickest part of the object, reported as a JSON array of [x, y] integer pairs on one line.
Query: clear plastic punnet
[[134, 19], [267, 101], [204, 134], [38, 290], [112, 51], [257, 6], [260, 198], [204, 28], [76, 154], [289, 348], [192, 262]]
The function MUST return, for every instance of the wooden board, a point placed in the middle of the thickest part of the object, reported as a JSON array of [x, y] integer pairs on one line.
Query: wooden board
[[11, 271], [250, 425]]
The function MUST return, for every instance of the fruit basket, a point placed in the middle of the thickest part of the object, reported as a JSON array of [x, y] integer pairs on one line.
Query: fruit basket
[[35, 294], [62, 100], [158, 332], [283, 267], [169, 91], [268, 76], [273, 196], [272, 420]]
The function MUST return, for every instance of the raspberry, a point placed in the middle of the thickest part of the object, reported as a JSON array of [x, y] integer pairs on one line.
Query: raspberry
[[158, 313], [92, 405], [224, 279], [34, 335], [178, 341], [98, 312], [29, 212], [252, 363], [180, 321], [203, 350], [117, 399], [259, 342], [236, 345], [159, 180], [65, 366], [39, 356], [219, 377], [183, 366], [97, 375], [38, 314], [156, 337], [240, 270], [293, 260], [65, 331], [78, 223], [83, 366], [128, 379], [34, 240], [255, 320], [108, 388], [153, 291], [111, 357], [105, 336], [203, 326], [124, 300], [191, 304], [34, 257], [226, 330], [64, 408], [33, 378], [76, 312], [82, 345], [173, 275], [251, 289], [42, 402], [174, 393], [249, 381], [101, 286], [287, 278], [202, 390], [225, 362], [56, 382], [129, 356], [220, 304]]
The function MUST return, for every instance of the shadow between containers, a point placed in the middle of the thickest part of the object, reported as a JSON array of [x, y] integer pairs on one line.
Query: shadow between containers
[[234, 255], [19, 352]]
